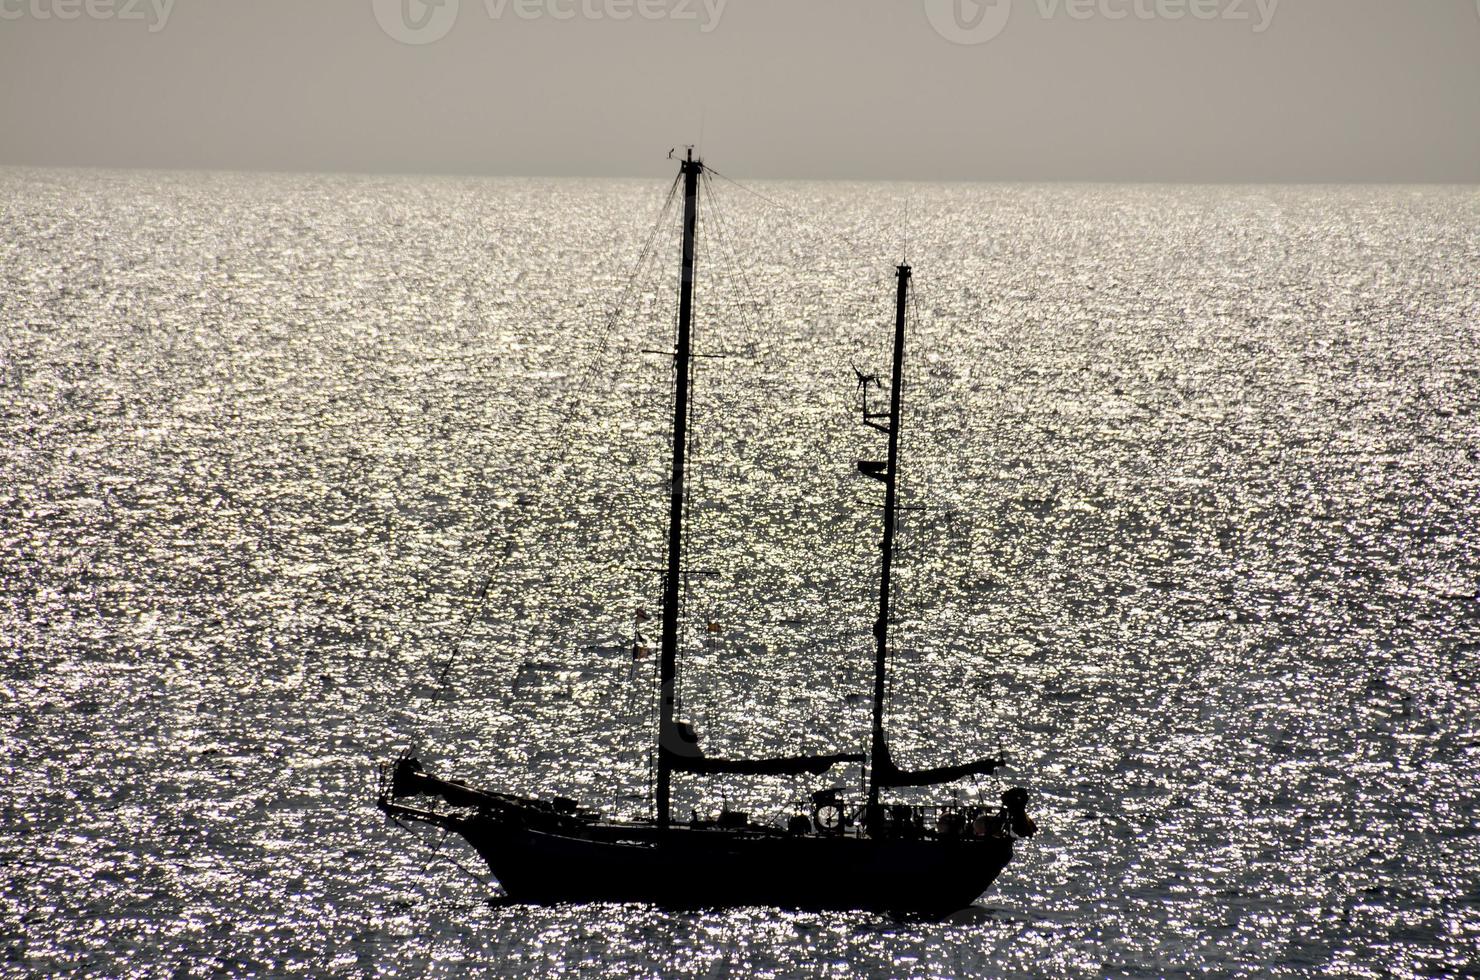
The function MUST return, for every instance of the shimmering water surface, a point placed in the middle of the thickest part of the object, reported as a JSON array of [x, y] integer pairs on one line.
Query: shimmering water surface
[[1198, 470]]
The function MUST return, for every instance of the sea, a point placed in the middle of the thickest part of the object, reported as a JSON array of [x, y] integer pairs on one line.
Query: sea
[[299, 473]]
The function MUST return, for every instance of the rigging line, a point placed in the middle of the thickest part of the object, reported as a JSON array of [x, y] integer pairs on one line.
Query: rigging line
[[924, 297], [714, 217], [520, 520], [691, 448], [485, 882], [750, 303], [727, 241], [603, 345], [708, 229], [436, 848], [646, 256], [764, 332], [437, 852], [860, 250], [413, 832], [917, 584]]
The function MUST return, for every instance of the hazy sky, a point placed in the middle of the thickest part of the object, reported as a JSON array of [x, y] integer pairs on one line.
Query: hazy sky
[[1051, 89]]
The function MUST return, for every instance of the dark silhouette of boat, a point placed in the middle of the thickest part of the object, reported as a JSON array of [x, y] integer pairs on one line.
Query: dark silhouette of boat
[[889, 857]]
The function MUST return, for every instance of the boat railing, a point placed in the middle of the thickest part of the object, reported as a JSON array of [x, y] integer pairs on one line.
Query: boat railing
[[903, 820]]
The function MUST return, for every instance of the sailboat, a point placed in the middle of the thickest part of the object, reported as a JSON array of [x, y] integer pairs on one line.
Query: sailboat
[[870, 854]]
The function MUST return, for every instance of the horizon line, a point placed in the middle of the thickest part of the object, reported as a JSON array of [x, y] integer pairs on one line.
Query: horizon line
[[459, 174]]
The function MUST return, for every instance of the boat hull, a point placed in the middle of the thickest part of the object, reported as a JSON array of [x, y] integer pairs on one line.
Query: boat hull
[[697, 868]]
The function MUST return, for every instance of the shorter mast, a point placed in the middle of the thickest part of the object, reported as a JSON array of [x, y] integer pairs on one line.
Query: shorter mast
[[891, 490], [882, 771]]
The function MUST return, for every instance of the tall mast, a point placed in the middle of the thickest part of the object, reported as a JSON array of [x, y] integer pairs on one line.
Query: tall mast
[[668, 669], [891, 483]]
